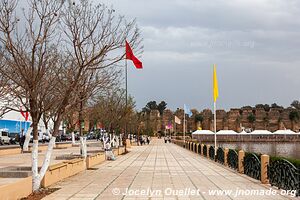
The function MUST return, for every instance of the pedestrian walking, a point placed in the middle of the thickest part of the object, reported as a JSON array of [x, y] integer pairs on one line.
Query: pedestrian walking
[[141, 141], [22, 140]]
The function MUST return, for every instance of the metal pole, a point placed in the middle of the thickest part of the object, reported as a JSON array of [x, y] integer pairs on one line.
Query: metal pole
[[215, 127], [184, 127], [25, 126], [126, 83], [175, 129]]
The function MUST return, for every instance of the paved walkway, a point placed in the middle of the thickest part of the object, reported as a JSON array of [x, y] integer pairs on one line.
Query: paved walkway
[[154, 172], [24, 160]]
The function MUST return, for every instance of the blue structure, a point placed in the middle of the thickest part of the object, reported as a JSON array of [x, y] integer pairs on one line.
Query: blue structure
[[14, 126]]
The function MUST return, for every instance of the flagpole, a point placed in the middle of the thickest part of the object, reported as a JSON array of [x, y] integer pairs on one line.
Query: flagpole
[[215, 126], [25, 126], [175, 129], [215, 94], [126, 83], [138, 64], [183, 127]]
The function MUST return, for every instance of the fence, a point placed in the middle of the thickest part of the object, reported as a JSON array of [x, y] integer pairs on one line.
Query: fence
[[278, 172]]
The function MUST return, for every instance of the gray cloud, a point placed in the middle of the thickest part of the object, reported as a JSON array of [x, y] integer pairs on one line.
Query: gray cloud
[[255, 44]]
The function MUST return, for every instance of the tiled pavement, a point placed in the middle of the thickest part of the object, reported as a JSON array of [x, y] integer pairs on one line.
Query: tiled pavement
[[158, 169], [25, 159]]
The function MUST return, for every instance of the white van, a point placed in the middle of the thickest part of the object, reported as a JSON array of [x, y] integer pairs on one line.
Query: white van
[[4, 136], [42, 137]]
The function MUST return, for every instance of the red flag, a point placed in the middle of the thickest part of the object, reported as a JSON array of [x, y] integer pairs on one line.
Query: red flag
[[130, 56], [24, 114]]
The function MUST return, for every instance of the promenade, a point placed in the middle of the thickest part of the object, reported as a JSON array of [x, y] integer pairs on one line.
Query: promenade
[[24, 160], [160, 171]]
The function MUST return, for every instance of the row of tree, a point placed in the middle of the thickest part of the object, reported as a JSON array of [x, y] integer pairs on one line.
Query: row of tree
[[56, 57], [152, 105]]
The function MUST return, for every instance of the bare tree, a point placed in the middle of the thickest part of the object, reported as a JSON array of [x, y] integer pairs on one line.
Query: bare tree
[[29, 53], [97, 82], [5, 99], [45, 66], [111, 110], [96, 40]]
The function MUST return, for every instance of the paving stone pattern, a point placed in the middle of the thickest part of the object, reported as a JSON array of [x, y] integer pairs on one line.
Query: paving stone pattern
[[158, 169]]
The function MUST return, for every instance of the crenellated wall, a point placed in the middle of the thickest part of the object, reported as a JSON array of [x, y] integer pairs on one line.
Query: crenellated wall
[[235, 119]]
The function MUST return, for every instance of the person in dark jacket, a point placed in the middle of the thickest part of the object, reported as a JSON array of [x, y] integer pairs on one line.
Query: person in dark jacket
[[22, 140]]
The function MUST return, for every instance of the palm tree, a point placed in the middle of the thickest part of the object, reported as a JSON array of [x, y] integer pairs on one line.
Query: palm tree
[[151, 105], [161, 107]]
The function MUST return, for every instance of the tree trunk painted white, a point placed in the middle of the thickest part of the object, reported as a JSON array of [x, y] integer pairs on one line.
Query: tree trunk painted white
[[103, 142], [73, 138], [113, 141], [38, 176], [121, 140], [117, 141], [47, 158], [83, 147], [27, 139], [34, 161]]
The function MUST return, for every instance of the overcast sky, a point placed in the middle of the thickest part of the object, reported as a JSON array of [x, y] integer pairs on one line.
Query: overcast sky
[[255, 44]]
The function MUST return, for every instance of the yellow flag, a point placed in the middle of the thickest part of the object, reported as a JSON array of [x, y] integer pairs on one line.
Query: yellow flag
[[215, 84]]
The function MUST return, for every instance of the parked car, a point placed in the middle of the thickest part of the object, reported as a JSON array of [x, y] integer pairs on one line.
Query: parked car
[[65, 137], [57, 139], [1, 141], [41, 137], [14, 138], [45, 137], [91, 136], [77, 136], [4, 136]]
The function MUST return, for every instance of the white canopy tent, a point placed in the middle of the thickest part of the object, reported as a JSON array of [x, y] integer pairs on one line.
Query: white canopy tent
[[227, 132], [204, 132], [288, 131], [261, 132], [231, 132]]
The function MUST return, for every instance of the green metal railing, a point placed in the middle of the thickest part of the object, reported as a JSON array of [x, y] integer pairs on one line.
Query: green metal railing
[[205, 150], [252, 165], [284, 175], [232, 159], [211, 152], [220, 156], [281, 172], [199, 148]]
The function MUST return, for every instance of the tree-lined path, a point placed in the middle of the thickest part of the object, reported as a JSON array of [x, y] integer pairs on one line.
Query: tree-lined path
[[154, 168]]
